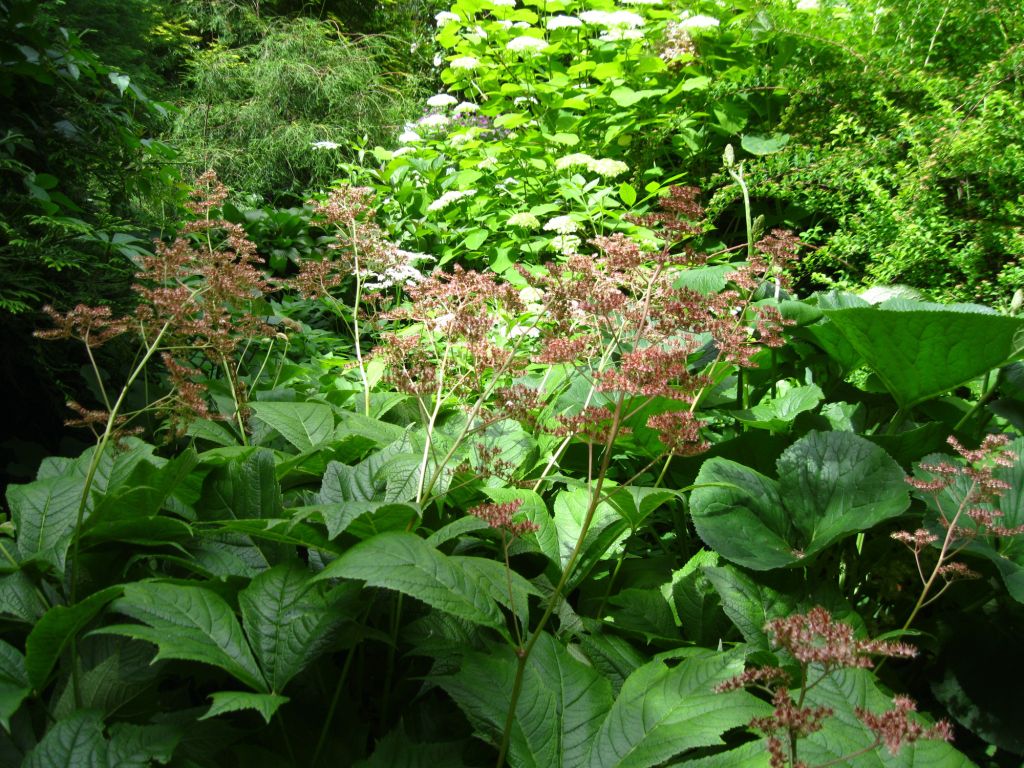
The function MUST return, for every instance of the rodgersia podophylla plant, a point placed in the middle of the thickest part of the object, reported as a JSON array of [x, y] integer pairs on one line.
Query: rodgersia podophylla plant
[[965, 497], [194, 296], [820, 646]]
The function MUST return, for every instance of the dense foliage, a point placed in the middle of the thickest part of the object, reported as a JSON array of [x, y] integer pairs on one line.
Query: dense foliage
[[529, 442]]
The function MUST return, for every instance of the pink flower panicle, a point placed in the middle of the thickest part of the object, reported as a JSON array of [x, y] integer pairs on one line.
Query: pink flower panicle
[[679, 432], [93, 326], [500, 517], [894, 728], [816, 638]]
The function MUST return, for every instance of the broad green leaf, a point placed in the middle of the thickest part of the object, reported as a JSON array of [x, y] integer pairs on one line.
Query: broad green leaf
[[476, 237], [696, 604], [124, 671], [74, 742], [288, 621], [636, 502], [835, 483], [764, 145], [921, 350], [753, 754], [338, 516], [304, 425], [137, 746], [44, 513], [663, 711], [14, 683], [20, 598], [233, 701], [831, 484], [140, 490], [778, 413], [627, 193], [748, 604], [244, 488], [399, 749], [643, 611], [406, 563], [56, 629], [741, 517], [498, 581], [570, 514], [612, 656], [190, 623], [560, 707]]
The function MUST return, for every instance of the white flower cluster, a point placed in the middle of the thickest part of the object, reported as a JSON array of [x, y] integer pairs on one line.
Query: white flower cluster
[[446, 17], [442, 100], [409, 136], [465, 62], [567, 245], [433, 121], [523, 219], [465, 106], [399, 274], [450, 197], [525, 43], [621, 33], [562, 22], [325, 145], [605, 167], [563, 225], [686, 21], [611, 19]]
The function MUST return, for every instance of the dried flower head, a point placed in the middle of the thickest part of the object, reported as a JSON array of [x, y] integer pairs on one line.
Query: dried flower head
[[500, 517], [816, 638]]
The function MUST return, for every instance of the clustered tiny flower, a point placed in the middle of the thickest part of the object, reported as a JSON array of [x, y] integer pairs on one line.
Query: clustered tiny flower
[[500, 517], [562, 22], [448, 198], [464, 62], [526, 44]]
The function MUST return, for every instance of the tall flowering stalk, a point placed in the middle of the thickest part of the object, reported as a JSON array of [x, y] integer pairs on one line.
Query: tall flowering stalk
[[965, 495], [820, 646]]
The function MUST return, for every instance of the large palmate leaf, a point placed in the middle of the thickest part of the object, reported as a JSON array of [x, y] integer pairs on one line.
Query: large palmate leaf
[[304, 425], [56, 629], [406, 563], [560, 708], [288, 621], [245, 487], [190, 623], [921, 350], [663, 711], [831, 484], [565, 715], [44, 513]]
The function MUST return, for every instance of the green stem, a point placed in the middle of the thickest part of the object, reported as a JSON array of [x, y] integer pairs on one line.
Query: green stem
[[322, 740]]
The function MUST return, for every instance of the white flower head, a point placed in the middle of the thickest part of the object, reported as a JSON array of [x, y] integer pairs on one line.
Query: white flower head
[[613, 18], [562, 22], [446, 17], [450, 197], [403, 151], [465, 62], [608, 168], [520, 25], [409, 137], [488, 162], [465, 106], [523, 219], [433, 121], [442, 100], [700, 21], [504, 23], [526, 43], [566, 245], [524, 330], [575, 160], [505, 3], [438, 60], [563, 225], [325, 145], [640, 2], [807, 5]]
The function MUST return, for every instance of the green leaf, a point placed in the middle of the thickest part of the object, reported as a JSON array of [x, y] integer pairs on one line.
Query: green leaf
[[644, 611], [56, 629], [570, 514], [536, 511], [246, 487], [561, 704], [764, 145], [663, 711], [921, 350], [406, 563], [20, 599], [695, 602], [74, 742], [137, 746], [476, 237], [627, 193], [44, 513], [233, 701], [831, 484], [748, 604], [778, 413], [190, 623], [287, 620], [14, 683], [378, 514], [305, 425]]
